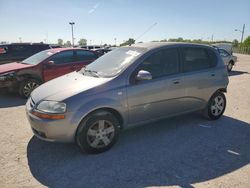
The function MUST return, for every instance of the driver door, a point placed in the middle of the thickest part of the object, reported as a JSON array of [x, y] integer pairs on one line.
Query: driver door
[[61, 65], [160, 96]]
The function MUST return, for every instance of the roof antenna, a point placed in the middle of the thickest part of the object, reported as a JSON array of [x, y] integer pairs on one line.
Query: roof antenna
[[147, 30]]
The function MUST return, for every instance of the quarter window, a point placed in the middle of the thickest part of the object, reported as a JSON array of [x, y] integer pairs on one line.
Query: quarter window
[[161, 63], [194, 59]]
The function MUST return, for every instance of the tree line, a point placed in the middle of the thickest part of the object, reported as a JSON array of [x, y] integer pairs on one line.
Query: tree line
[[130, 41]]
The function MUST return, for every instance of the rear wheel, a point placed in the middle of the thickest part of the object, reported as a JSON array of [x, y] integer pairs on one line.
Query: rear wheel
[[230, 66], [216, 106], [27, 86], [98, 132]]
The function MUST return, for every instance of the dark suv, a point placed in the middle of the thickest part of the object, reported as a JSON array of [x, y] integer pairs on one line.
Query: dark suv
[[42, 67], [17, 52]]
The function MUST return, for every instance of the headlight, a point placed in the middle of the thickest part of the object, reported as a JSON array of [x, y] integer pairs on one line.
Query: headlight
[[53, 107], [7, 75]]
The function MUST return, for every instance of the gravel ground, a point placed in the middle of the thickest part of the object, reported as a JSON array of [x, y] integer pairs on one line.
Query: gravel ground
[[186, 151]]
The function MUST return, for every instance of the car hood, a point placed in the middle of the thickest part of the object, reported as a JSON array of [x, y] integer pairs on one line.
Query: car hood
[[9, 67], [66, 86]]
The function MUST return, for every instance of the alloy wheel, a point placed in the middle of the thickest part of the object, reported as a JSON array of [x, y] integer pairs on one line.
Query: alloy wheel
[[100, 134], [29, 87], [217, 106]]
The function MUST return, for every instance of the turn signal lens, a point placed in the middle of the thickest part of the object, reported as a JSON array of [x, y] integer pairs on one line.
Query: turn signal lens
[[48, 116]]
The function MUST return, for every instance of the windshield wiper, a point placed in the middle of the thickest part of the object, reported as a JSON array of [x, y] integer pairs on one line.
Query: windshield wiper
[[93, 73]]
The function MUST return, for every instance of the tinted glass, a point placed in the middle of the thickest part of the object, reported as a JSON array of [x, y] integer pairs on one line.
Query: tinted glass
[[161, 63], [212, 57], [85, 55], [194, 59], [63, 57]]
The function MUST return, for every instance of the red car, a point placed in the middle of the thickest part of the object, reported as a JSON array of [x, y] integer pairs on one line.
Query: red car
[[25, 76]]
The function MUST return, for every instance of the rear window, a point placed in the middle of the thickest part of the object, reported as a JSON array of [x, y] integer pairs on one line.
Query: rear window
[[194, 59]]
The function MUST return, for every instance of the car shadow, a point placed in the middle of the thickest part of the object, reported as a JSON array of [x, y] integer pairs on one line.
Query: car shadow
[[236, 73], [8, 99], [178, 151]]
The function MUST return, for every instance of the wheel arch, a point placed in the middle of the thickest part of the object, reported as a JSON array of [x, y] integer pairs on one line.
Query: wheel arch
[[102, 110], [29, 76]]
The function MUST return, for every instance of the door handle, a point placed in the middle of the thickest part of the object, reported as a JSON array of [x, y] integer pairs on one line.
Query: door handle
[[177, 81]]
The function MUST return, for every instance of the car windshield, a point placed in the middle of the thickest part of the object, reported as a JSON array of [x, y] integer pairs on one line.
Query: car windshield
[[37, 58], [112, 63]]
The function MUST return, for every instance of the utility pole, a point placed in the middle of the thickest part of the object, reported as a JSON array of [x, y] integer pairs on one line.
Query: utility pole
[[72, 32], [242, 33]]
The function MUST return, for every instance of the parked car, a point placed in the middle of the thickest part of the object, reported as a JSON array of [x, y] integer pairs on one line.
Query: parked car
[[128, 86], [229, 59], [101, 51], [42, 67], [17, 52], [227, 46]]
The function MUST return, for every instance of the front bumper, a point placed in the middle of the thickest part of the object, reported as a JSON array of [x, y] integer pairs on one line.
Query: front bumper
[[8, 84], [51, 130]]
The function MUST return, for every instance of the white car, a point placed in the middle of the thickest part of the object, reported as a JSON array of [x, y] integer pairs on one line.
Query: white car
[[228, 59]]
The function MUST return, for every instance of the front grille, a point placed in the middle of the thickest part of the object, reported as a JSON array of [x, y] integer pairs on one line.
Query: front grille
[[32, 103]]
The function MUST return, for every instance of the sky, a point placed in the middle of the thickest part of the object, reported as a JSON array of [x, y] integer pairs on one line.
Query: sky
[[103, 21]]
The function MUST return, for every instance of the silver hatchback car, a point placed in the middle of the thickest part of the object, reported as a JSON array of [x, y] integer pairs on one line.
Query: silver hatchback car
[[125, 87]]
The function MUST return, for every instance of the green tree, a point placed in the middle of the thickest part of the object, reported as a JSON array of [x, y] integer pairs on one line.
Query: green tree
[[82, 42], [67, 44], [235, 43], [60, 42], [128, 42], [246, 42]]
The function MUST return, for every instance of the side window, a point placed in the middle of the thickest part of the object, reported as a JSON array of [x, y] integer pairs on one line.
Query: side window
[[194, 59], [62, 57], [85, 55], [161, 63], [212, 57]]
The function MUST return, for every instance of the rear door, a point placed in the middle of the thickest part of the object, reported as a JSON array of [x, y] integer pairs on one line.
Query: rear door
[[63, 62], [198, 76], [161, 96]]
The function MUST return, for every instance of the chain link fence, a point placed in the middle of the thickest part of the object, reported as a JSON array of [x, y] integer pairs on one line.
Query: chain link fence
[[241, 50]]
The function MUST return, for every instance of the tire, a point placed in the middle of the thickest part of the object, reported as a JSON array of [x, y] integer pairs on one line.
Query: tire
[[98, 132], [27, 86], [230, 66], [216, 106]]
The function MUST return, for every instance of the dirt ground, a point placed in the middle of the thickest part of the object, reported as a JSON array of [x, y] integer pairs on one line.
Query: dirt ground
[[186, 151]]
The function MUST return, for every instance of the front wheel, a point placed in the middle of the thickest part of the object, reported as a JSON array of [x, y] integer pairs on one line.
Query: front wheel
[[230, 66], [216, 106], [27, 86], [98, 132]]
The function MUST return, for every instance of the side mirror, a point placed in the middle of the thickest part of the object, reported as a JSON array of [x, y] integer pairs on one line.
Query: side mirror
[[50, 63], [143, 75]]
